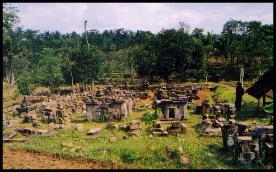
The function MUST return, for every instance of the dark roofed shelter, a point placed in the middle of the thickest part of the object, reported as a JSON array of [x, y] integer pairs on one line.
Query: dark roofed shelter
[[263, 87]]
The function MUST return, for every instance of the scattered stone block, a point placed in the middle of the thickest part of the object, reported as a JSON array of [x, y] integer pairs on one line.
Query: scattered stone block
[[217, 124], [94, 131], [11, 135], [41, 132], [79, 127], [112, 126], [176, 124], [134, 133], [125, 127]]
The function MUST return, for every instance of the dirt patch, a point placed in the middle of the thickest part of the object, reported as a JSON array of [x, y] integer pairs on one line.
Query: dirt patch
[[203, 94], [22, 159], [147, 101]]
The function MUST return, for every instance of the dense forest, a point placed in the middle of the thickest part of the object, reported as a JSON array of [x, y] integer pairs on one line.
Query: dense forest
[[32, 58]]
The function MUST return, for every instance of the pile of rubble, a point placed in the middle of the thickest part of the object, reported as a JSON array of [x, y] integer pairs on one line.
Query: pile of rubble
[[25, 131], [133, 128], [248, 146], [211, 125], [220, 114], [226, 110], [102, 103], [174, 128]]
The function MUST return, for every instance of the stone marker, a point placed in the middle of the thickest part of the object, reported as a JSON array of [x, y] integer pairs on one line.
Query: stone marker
[[112, 126], [41, 132]]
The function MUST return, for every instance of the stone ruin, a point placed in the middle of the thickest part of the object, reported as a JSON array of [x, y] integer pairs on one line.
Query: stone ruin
[[109, 104], [133, 128], [174, 128], [248, 146], [103, 103], [173, 100], [226, 110], [172, 109], [220, 113], [110, 110]]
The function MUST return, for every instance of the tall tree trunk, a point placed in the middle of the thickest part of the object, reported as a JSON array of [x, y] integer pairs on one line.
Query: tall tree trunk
[[185, 75], [10, 76]]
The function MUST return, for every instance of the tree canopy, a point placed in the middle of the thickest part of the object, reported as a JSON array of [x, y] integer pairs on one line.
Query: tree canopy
[[56, 58]]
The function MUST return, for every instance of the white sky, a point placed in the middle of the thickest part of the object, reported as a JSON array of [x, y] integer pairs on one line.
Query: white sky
[[68, 17]]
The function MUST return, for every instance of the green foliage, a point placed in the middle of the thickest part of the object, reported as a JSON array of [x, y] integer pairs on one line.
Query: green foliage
[[175, 154], [149, 117], [48, 72], [25, 85], [88, 64], [230, 72], [144, 61], [10, 17], [168, 54], [269, 108], [129, 155]]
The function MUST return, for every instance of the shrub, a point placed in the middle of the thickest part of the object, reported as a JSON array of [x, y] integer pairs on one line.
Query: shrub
[[175, 154], [25, 85], [129, 155]]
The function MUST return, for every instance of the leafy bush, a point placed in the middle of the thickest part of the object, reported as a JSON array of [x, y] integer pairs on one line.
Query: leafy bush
[[129, 155], [150, 117], [54, 89], [175, 154], [25, 85]]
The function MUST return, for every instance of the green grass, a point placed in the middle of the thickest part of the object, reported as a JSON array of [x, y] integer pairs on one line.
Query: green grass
[[140, 152], [248, 112]]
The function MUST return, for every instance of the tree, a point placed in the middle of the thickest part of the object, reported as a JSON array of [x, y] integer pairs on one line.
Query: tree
[[48, 71], [88, 65], [144, 61], [184, 27], [10, 49], [173, 51], [25, 84], [68, 63]]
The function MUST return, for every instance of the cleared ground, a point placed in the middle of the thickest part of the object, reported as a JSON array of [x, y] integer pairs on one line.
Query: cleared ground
[[22, 159]]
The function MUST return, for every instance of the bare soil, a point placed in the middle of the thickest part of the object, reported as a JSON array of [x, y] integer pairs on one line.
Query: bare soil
[[203, 94], [23, 159], [148, 100]]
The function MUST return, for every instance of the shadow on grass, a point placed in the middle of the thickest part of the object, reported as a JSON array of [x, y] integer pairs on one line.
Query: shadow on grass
[[250, 110], [225, 157], [79, 120]]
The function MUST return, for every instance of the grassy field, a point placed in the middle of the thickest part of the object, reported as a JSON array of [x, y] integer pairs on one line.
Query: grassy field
[[143, 152]]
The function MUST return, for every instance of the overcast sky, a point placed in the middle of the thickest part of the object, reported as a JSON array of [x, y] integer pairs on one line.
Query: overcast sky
[[68, 17]]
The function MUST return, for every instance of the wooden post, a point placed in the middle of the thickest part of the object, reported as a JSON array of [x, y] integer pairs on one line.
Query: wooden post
[[264, 101]]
